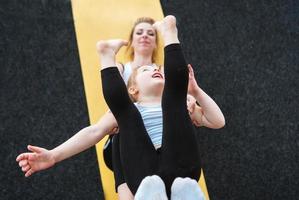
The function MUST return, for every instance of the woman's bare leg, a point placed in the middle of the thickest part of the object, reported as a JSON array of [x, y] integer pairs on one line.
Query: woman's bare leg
[[124, 193]]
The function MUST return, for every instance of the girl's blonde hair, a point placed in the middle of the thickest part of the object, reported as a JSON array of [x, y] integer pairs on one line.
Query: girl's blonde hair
[[130, 50], [132, 83]]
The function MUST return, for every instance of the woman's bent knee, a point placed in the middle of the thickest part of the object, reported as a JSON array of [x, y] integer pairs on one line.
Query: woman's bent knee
[[124, 193]]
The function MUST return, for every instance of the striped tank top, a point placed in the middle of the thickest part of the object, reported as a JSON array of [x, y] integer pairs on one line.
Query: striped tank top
[[153, 122]]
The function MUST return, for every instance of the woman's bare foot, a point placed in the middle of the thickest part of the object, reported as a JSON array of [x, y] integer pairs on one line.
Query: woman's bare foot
[[107, 49], [167, 28]]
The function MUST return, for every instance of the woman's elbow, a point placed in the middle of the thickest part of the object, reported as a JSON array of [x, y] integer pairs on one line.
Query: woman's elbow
[[96, 132]]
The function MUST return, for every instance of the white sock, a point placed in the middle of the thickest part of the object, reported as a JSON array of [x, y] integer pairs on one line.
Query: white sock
[[151, 188], [186, 189]]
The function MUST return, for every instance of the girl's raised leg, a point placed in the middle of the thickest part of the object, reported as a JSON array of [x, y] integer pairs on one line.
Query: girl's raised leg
[[107, 50], [138, 156], [179, 152]]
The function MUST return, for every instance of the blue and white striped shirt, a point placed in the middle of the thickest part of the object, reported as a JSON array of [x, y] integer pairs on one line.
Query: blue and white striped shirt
[[152, 119]]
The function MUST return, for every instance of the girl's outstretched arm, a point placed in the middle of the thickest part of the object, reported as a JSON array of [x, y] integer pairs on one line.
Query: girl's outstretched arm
[[208, 114], [40, 159], [86, 137]]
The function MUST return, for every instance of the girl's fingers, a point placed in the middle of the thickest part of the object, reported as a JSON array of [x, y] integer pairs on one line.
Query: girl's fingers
[[35, 149], [29, 173], [22, 163], [196, 123], [115, 130], [191, 72], [26, 168], [192, 106], [22, 156], [32, 157], [189, 110]]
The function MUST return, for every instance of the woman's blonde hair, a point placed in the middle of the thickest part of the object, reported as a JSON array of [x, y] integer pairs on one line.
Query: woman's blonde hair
[[130, 50]]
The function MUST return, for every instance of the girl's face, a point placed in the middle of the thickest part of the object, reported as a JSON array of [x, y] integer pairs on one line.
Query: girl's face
[[149, 80], [144, 38]]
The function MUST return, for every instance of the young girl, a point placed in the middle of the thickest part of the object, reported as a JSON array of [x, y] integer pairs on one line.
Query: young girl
[[168, 146]]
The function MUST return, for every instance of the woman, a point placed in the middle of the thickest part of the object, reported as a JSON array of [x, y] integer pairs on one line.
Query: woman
[[143, 41]]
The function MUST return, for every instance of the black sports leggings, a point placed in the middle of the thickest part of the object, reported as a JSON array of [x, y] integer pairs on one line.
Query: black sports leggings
[[179, 155]]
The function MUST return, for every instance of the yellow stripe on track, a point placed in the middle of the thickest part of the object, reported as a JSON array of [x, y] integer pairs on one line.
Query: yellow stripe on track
[[106, 19]]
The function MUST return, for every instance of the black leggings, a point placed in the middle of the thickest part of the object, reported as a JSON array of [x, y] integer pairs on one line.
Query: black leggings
[[179, 155]]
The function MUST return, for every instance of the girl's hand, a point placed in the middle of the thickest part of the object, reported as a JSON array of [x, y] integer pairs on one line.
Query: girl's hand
[[36, 160], [192, 85], [195, 112]]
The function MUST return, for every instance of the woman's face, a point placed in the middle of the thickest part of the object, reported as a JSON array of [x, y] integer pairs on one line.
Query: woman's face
[[144, 38]]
